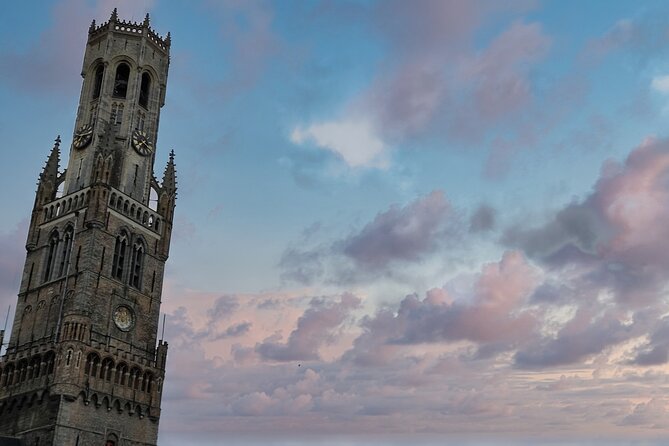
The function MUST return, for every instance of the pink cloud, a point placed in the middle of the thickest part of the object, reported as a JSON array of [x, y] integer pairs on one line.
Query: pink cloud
[[616, 229], [314, 328], [494, 316]]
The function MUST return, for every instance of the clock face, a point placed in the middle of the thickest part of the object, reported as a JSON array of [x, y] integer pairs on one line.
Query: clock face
[[124, 318], [141, 143], [83, 136]]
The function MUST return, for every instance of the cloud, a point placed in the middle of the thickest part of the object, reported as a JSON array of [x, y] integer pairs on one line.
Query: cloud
[[494, 316], [656, 350], [403, 234], [483, 219], [247, 40], [652, 412], [660, 83], [615, 233], [314, 328], [437, 80], [639, 37], [399, 235], [576, 342], [354, 140]]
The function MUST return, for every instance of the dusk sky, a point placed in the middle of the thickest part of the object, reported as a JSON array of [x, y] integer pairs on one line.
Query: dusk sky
[[398, 222]]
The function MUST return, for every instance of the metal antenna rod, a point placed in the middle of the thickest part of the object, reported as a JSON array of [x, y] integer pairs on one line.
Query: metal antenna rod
[[7, 317]]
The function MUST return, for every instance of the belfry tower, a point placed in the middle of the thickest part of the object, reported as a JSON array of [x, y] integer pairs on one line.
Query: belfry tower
[[84, 365]]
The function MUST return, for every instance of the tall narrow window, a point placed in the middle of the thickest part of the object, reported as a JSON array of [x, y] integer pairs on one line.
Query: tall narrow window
[[97, 83], [136, 265], [93, 115], [144, 90], [121, 81], [116, 113], [119, 256], [141, 118], [65, 251], [51, 256]]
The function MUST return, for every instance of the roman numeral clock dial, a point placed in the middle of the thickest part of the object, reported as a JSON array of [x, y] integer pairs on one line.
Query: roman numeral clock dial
[[141, 143], [83, 136]]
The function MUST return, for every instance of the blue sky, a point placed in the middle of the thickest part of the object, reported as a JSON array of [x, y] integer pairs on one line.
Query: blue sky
[[451, 213]]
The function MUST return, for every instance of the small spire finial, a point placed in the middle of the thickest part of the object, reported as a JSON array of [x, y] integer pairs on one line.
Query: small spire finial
[[147, 20], [57, 141], [168, 39], [92, 27], [172, 155], [114, 15]]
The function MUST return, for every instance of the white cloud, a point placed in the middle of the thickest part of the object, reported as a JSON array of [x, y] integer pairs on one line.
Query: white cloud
[[354, 140], [661, 83]]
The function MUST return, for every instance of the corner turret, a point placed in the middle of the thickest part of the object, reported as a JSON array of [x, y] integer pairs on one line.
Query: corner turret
[[167, 196], [47, 188]]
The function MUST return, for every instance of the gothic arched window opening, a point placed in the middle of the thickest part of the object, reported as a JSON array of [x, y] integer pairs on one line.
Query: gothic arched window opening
[[119, 256], [97, 83], [121, 81], [49, 361], [121, 372], [66, 251], [137, 264], [144, 90], [92, 363], [51, 256]]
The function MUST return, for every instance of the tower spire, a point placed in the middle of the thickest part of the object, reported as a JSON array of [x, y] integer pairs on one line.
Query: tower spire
[[147, 21], [170, 175], [114, 16], [50, 171]]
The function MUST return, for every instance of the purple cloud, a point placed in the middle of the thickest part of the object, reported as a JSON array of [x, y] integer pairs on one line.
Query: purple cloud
[[314, 328], [616, 234], [403, 234], [483, 219], [396, 236], [494, 316]]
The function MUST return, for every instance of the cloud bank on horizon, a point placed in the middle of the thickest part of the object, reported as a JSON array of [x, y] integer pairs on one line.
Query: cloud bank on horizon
[[431, 218]]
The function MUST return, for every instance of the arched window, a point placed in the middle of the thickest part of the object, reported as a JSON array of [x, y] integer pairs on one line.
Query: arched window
[[137, 264], [7, 376], [97, 83], [65, 251], [121, 371], [92, 363], [121, 81], [144, 90], [49, 362], [51, 256], [119, 256], [106, 369], [147, 383], [21, 371], [34, 367], [135, 375]]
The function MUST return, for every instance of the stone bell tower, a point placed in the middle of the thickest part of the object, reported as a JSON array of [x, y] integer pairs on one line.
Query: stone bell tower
[[84, 365]]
